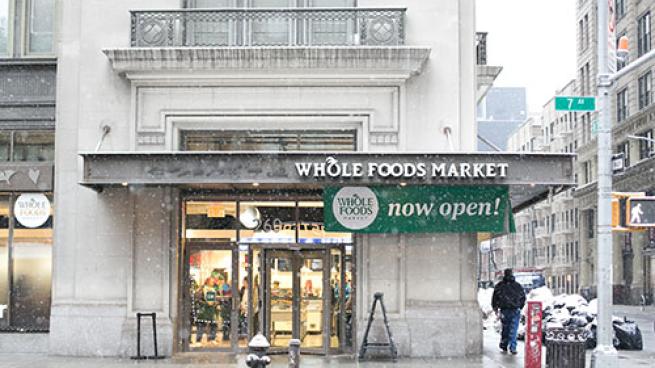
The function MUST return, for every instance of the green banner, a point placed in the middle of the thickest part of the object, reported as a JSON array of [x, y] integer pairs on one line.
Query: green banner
[[418, 209]]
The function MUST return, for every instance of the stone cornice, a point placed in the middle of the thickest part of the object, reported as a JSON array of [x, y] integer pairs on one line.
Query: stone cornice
[[385, 62]]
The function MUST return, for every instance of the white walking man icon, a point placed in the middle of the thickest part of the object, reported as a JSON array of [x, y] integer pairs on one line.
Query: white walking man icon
[[635, 214]]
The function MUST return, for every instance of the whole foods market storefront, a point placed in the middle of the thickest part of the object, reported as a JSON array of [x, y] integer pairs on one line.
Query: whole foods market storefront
[[262, 261], [293, 245]]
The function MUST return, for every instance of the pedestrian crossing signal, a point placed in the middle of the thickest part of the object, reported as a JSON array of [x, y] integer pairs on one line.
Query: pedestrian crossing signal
[[640, 212]]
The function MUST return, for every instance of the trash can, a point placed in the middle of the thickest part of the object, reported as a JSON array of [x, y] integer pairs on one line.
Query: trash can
[[565, 348]]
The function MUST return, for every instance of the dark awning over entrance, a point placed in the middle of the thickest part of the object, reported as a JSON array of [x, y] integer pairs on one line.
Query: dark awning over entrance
[[529, 176]]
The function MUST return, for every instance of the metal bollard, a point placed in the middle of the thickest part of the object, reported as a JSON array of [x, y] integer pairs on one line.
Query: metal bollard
[[294, 353], [257, 350]]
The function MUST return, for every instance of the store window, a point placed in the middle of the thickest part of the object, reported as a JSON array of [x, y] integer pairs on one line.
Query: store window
[[25, 262], [33, 146], [27, 145], [259, 222], [33, 21]]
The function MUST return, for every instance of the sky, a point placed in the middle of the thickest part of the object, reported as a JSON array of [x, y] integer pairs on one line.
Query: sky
[[535, 43]]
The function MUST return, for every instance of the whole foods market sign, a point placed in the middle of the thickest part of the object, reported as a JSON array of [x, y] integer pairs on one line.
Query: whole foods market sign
[[418, 209], [333, 168]]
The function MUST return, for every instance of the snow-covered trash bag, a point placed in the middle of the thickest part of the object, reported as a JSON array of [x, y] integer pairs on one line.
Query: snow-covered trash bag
[[562, 316], [540, 294], [584, 311], [593, 307], [574, 301], [559, 301], [628, 335], [577, 322], [484, 300]]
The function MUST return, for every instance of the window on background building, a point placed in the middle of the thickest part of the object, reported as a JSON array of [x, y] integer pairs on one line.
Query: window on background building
[[40, 26], [643, 34], [577, 251], [34, 22], [581, 34], [645, 88], [5, 28], [646, 145], [624, 148], [591, 223], [619, 8], [622, 105]]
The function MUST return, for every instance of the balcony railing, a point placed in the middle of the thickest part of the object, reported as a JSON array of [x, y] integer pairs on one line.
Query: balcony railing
[[481, 47], [268, 27]]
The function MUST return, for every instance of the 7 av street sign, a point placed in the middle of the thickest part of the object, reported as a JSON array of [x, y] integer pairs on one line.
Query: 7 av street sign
[[575, 103]]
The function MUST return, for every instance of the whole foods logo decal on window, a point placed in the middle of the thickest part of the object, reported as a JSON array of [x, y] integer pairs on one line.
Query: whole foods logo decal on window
[[355, 208], [32, 210]]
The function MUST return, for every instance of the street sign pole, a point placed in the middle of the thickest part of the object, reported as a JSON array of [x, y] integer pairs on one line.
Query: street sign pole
[[604, 355]]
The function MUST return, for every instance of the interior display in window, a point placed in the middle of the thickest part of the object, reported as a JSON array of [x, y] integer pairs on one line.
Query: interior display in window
[[211, 297]]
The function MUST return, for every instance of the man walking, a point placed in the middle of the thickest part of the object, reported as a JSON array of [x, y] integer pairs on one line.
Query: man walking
[[509, 298]]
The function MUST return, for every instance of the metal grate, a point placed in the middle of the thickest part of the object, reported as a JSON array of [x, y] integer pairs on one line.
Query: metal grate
[[268, 27]]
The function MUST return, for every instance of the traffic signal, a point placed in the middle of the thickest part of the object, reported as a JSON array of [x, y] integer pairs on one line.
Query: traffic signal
[[621, 211], [640, 212]]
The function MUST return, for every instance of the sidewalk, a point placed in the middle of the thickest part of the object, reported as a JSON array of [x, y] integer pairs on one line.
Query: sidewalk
[[492, 358]]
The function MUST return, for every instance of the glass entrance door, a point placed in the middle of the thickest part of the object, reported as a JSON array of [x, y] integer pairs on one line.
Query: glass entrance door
[[296, 299]]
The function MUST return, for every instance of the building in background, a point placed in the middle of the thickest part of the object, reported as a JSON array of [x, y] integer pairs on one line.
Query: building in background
[[566, 249], [27, 136], [632, 114], [501, 111], [547, 236]]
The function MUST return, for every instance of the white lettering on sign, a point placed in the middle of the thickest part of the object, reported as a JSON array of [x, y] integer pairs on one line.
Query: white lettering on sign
[[3, 308], [332, 168], [450, 210]]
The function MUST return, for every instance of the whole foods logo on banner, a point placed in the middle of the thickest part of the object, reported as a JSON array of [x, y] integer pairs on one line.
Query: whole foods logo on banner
[[418, 209], [355, 208], [32, 210]]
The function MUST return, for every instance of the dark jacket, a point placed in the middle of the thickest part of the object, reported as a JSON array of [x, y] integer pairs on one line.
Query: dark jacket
[[508, 294]]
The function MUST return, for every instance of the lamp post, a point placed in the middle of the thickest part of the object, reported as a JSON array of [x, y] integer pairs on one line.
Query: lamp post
[[605, 355]]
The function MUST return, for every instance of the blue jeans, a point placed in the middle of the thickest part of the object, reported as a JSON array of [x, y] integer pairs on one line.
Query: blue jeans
[[510, 319]]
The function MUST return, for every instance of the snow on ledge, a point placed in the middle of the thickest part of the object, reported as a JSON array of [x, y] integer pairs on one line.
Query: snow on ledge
[[405, 61]]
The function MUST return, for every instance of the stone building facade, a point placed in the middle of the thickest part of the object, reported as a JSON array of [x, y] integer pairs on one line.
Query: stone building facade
[[27, 133]]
